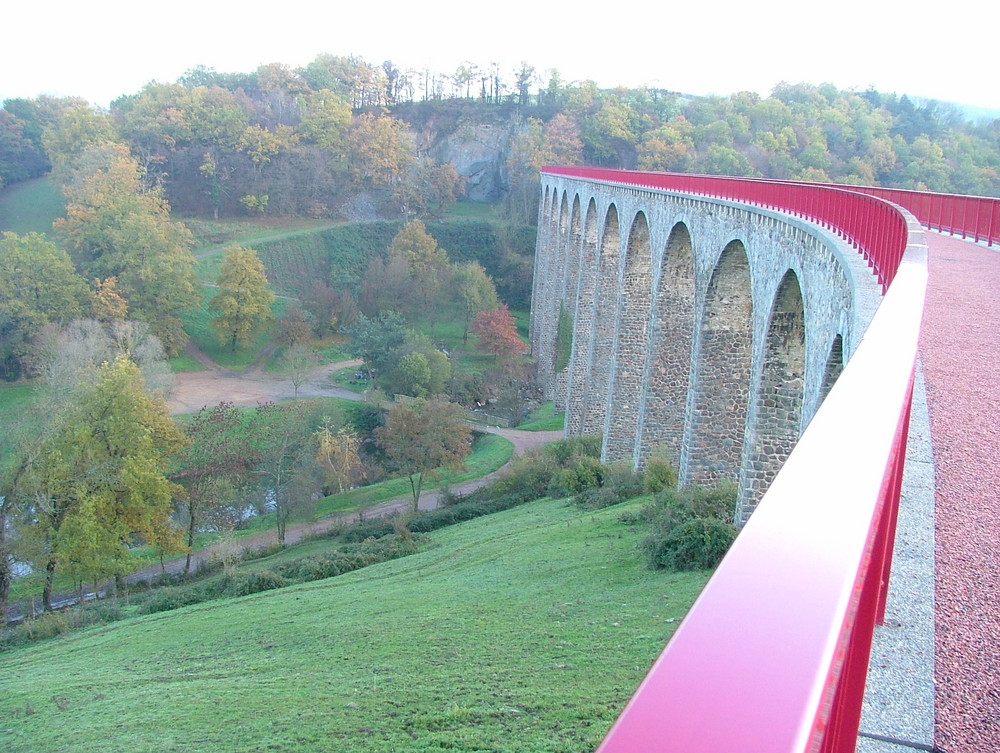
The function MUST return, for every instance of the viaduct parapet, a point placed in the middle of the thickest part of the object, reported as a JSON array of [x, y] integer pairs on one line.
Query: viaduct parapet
[[707, 329]]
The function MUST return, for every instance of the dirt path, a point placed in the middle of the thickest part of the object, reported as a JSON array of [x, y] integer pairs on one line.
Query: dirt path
[[195, 390]]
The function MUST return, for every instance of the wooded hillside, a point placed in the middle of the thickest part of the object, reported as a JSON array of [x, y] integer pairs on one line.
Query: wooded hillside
[[284, 141]]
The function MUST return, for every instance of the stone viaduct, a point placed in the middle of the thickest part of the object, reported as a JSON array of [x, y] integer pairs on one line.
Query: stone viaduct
[[704, 328]]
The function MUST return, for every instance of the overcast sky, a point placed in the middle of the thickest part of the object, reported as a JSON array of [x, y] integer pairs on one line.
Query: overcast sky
[[104, 48]]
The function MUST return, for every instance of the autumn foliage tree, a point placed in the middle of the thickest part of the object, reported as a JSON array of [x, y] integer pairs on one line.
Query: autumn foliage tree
[[244, 299], [423, 439], [98, 480], [115, 226], [213, 468], [496, 333]]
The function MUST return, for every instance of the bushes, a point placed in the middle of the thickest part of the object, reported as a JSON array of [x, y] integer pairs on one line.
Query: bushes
[[695, 544], [692, 527], [52, 624], [255, 582], [352, 556]]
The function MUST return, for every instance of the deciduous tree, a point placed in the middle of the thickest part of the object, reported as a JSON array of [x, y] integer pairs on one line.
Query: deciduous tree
[[427, 264], [338, 455], [496, 333], [115, 228], [99, 479], [38, 286], [474, 291], [244, 298], [423, 439], [297, 362], [213, 469], [284, 461]]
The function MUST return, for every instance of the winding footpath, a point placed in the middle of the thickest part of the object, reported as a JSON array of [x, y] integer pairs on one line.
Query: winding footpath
[[960, 350], [194, 390]]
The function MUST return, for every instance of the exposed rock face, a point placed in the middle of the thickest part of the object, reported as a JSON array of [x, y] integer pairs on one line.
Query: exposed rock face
[[479, 152], [478, 147]]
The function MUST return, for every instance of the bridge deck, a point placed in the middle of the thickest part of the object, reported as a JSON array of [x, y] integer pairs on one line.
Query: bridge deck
[[960, 352]]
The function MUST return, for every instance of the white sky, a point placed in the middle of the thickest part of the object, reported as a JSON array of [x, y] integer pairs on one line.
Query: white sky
[[104, 48]]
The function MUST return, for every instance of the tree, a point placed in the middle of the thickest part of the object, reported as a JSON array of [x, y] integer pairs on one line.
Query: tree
[[329, 308], [99, 480], [213, 468], [115, 227], [77, 126], [298, 361], [38, 286], [244, 298], [293, 327], [474, 291], [421, 440], [380, 151], [337, 455], [427, 264], [66, 356], [374, 340], [496, 332], [416, 368], [284, 461]]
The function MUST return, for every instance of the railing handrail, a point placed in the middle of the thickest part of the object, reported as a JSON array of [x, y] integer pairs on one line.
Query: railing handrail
[[773, 654]]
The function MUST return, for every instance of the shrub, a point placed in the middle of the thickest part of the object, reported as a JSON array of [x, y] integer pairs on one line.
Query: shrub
[[696, 544], [588, 445], [660, 474], [692, 527], [255, 582]]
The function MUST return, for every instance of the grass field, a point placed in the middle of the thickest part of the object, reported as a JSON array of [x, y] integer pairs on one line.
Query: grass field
[[543, 419], [31, 206], [526, 630]]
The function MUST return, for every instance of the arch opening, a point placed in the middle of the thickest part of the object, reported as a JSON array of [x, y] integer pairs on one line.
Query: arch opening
[[722, 389], [671, 336], [631, 342], [834, 366], [778, 419]]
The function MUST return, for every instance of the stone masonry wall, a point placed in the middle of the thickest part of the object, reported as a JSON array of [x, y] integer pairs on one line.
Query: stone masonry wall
[[708, 328]]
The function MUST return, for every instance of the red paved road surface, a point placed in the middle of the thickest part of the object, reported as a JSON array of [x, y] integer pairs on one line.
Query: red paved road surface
[[960, 348]]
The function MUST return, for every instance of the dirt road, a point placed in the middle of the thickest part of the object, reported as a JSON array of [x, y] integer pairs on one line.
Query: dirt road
[[195, 390]]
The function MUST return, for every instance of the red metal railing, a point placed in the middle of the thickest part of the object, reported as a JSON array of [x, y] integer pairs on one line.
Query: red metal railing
[[975, 217], [774, 653]]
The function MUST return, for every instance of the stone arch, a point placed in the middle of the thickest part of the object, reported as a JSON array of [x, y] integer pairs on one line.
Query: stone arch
[[668, 370], [566, 308], [598, 378], [778, 420], [551, 293], [718, 419], [631, 342], [582, 323], [834, 366]]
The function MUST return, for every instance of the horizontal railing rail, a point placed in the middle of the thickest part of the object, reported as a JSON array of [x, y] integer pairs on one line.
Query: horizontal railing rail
[[973, 217], [774, 653]]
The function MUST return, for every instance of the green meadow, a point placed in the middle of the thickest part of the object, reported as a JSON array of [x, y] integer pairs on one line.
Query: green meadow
[[526, 630]]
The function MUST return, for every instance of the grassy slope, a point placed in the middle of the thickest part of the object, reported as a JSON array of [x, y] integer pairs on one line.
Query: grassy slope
[[525, 630], [30, 207]]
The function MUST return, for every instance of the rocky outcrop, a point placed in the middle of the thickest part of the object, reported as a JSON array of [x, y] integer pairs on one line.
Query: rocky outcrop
[[476, 143]]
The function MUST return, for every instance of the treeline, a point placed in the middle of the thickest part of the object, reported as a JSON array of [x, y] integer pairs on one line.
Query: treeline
[[300, 141]]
